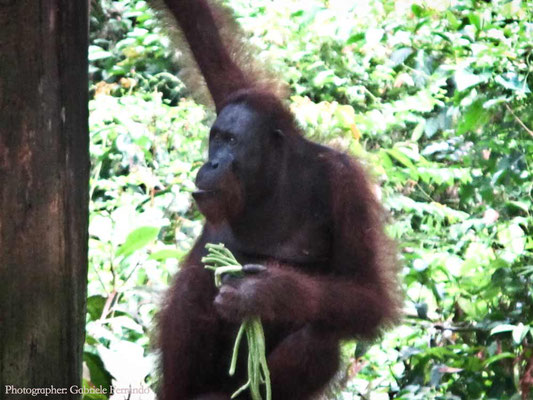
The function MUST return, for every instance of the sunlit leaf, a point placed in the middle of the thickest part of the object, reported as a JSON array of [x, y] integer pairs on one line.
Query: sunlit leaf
[[519, 332], [97, 53], [137, 239], [498, 357], [502, 328], [474, 117], [165, 254]]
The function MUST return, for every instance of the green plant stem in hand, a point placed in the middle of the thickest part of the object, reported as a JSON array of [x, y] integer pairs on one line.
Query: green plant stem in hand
[[220, 260]]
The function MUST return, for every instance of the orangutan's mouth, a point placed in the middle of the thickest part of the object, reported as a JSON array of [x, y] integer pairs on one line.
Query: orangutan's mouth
[[204, 194]]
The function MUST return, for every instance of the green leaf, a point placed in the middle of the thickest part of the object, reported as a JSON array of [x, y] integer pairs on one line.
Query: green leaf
[[166, 254], [97, 53], [475, 20], [495, 102], [513, 239], [522, 205], [99, 374], [346, 115], [431, 127], [502, 328], [138, 32], [527, 270], [361, 348], [400, 55], [298, 13], [355, 38], [323, 77], [95, 306], [452, 19], [474, 117], [465, 78], [417, 10], [497, 357], [512, 82], [418, 131], [401, 158], [475, 308], [519, 332], [150, 39], [137, 239]]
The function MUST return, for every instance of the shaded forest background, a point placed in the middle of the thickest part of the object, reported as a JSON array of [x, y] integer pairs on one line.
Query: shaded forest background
[[434, 96]]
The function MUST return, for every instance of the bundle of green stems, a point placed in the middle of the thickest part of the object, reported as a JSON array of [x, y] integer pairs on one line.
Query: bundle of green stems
[[222, 261]]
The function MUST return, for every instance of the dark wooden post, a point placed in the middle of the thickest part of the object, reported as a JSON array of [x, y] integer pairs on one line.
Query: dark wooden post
[[44, 174]]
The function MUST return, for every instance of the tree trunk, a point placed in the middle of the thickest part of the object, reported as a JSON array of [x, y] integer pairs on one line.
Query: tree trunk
[[44, 172]]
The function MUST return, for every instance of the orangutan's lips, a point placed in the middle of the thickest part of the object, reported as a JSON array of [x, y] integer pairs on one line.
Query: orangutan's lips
[[202, 194], [203, 191]]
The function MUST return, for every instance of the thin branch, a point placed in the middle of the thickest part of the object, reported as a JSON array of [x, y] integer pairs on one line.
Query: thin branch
[[443, 326], [520, 122]]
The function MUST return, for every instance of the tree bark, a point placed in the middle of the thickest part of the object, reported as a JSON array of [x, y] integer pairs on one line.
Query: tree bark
[[44, 174]]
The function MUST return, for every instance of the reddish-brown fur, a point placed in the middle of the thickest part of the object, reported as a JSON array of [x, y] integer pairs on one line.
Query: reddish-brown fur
[[330, 269]]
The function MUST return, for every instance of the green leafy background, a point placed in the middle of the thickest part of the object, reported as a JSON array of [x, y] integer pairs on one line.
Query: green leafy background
[[435, 96]]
